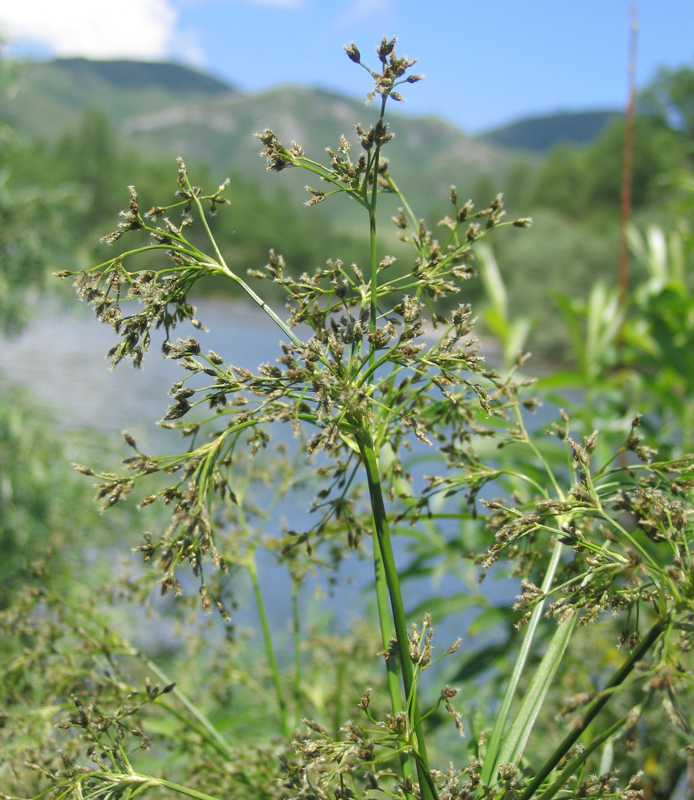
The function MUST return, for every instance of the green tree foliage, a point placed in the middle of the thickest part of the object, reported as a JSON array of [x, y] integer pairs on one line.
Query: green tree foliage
[[670, 99], [44, 512], [33, 213], [586, 182], [46, 515], [32, 237], [518, 185], [89, 157], [89, 163]]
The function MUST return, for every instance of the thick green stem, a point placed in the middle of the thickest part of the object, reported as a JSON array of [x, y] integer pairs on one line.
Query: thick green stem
[[382, 530], [372, 230], [382, 583], [267, 636], [386, 625], [594, 708], [374, 264]]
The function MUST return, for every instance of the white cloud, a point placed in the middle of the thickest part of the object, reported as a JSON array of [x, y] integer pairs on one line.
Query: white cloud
[[266, 3], [276, 3], [93, 28], [189, 49], [360, 9]]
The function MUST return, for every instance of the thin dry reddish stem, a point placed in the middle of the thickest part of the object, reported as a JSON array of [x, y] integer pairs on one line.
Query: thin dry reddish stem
[[628, 163]]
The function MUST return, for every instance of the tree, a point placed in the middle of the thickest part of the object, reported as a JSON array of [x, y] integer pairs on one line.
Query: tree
[[670, 99]]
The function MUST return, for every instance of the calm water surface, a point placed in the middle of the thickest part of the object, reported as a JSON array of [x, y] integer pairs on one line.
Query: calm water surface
[[60, 357]]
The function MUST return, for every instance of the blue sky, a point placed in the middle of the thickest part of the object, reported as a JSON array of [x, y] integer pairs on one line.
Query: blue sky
[[485, 63]]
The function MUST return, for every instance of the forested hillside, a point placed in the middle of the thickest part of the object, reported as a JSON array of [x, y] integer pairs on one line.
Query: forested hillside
[[88, 129]]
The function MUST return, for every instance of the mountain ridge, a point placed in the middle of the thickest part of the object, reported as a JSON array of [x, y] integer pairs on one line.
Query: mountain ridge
[[160, 109], [535, 133], [540, 133], [127, 72]]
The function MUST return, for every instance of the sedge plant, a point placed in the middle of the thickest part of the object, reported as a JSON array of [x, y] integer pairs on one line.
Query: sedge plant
[[389, 359]]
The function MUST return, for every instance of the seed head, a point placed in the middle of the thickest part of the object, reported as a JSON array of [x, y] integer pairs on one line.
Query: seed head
[[353, 52], [386, 47]]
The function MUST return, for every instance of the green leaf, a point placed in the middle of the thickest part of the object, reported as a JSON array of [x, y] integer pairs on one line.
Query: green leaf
[[517, 335], [481, 661], [443, 606], [496, 739], [524, 720], [492, 281]]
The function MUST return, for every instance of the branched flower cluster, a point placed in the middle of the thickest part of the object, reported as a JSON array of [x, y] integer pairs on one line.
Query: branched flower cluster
[[364, 367], [629, 543], [385, 363]]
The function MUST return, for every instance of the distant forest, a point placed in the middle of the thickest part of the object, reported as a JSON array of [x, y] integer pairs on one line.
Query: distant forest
[[63, 190]]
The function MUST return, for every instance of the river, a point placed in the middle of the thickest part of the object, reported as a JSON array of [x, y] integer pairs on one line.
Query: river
[[60, 357]]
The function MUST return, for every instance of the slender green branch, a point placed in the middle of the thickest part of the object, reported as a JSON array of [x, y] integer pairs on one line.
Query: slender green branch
[[580, 759], [209, 732], [269, 649], [184, 790], [531, 444], [324, 174], [594, 708], [234, 277]]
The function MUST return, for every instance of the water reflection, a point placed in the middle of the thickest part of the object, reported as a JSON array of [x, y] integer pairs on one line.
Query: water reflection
[[60, 357]]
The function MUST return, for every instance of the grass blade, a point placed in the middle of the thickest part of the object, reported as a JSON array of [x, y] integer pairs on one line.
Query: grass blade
[[496, 739], [522, 725]]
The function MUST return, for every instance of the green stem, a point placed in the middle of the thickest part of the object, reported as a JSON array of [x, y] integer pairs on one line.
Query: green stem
[[372, 229], [579, 760], [531, 444], [326, 175], [253, 572], [234, 277], [185, 790], [380, 521], [384, 619], [210, 732], [131, 784], [374, 264], [594, 708], [382, 582]]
